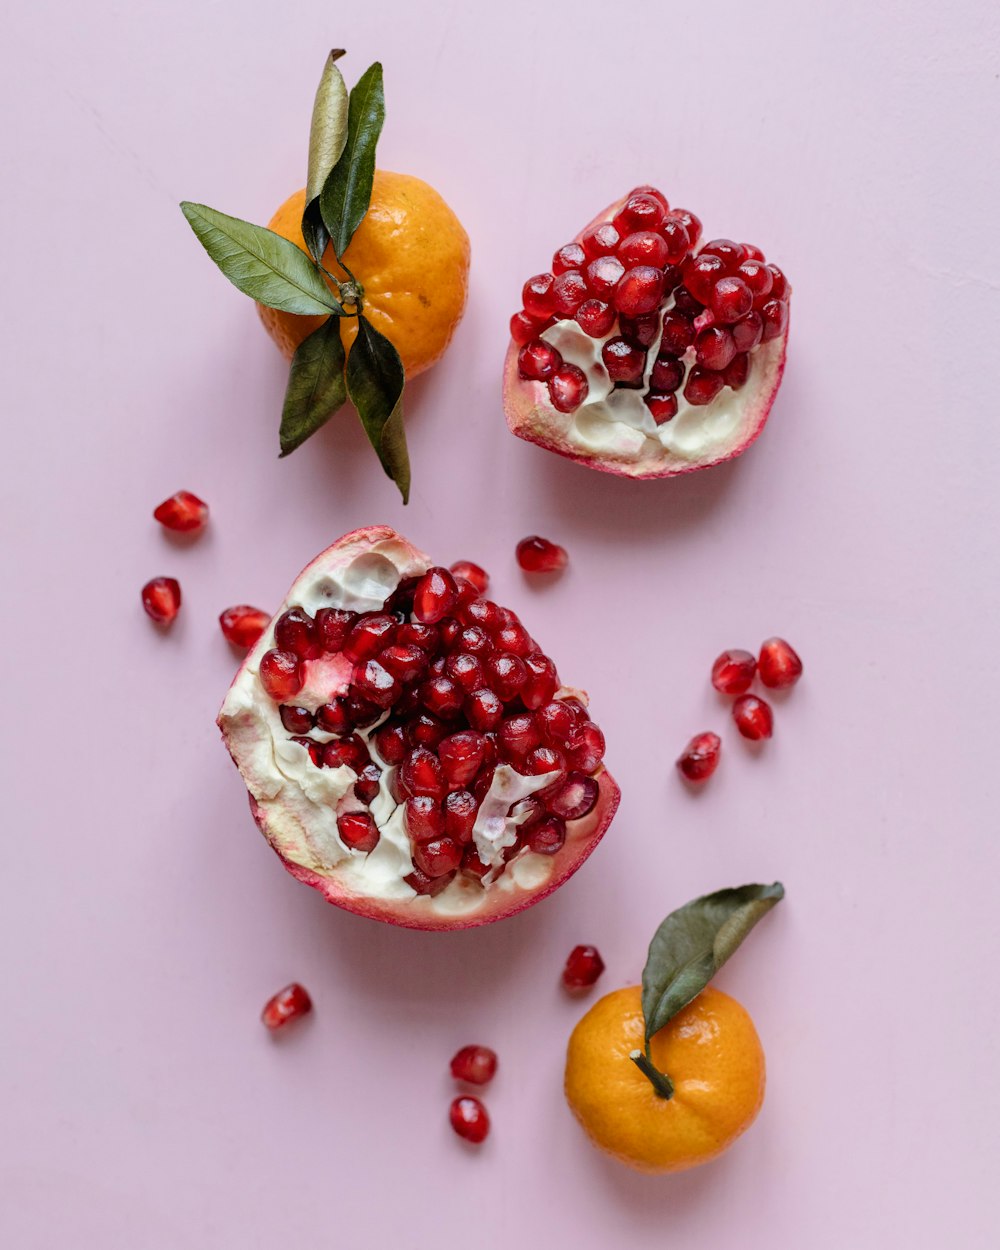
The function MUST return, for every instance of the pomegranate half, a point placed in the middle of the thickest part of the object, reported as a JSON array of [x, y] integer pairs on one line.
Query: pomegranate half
[[642, 353], [408, 749]]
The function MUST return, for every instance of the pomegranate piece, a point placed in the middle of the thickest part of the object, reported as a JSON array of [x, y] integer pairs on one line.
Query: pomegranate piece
[[476, 1065], [291, 1003], [358, 831], [753, 717], [161, 597], [779, 666], [700, 758], [183, 513], [583, 966], [538, 555], [733, 672], [242, 624], [472, 573], [281, 675], [469, 1119]]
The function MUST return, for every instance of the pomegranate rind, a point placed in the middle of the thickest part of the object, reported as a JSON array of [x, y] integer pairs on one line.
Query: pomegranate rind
[[253, 755], [531, 415]]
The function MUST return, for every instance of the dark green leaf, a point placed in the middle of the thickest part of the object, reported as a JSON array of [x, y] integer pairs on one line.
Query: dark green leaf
[[693, 943], [347, 193], [316, 387], [375, 384], [327, 136], [262, 264]]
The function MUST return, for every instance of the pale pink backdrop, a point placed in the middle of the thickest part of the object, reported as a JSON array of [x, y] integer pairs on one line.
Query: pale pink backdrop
[[146, 921]]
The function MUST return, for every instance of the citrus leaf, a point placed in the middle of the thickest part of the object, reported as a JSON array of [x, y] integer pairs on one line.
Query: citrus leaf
[[327, 136], [693, 943], [262, 264], [347, 192], [375, 383], [316, 386]]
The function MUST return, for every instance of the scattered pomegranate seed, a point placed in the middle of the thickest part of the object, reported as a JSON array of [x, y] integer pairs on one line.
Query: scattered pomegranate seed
[[242, 625], [476, 1065], [183, 513], [568, 388], [779, 666], [469, 1119], [161, 598], [538, 555], [700, 758], [472, 573], [583, 966], [753, 717], [639, 291], [358, 831], [287, 1005], [733, 672], [536, 296], [538, 361]]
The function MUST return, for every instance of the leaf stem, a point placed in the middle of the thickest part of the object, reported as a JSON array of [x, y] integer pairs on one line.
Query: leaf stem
[[660, 1082]]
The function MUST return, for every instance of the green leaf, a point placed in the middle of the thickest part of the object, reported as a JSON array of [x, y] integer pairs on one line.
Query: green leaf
[[347, 193], [268, 268], [693, 943], [316, 386], [327, 136], [375, 383]]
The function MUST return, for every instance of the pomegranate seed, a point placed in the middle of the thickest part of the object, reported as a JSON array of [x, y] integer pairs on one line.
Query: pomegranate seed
[[568, 292], [676, 240], [700, 757], [437, 858], [686, 304], [639, 291], [333, 717], [737, 371], [421, 883], [753, 717], [183, 513], [646, 189], [603, 274], [600, 240], [404, 660], [545, 760], [442, 696], [474, 866], [671, 278], [161, 598], [747, 333], [461, 757], [361, 712], [358, 831], [390, 743], [536, 296], [779, 666], [731, 254], [376, 684], [314, 748], [667, 373], [585, 747], [518, 735], [507, 674], [460, 808], [702, 386], [714, 347], [483, 613], [775, 315], [426, 731], [572, 256], [434, 596], [733, 672], [690, 222], [641, 211], [595, 318], [515, 639], [483, 710], [678, 334], [537, 361], [538, 555], [473, 640], [576, 799], [420, 773], [624, 363], [297, 720], [568, 389], [701, 273], [469, 1119], [583, 966], [243, 625], [367, 786], [557, 720], [281, 675], [476, 1065], [524, 328], [542, 683], [287, 1005], [644, 248], [467, 671], [547, 837], [333, 625], [731, 299], [295, 631], [348, 752], [753, 253], [426, 637], [472, 573], [369, 635], [757, 277], [662, 406], [424, 818], [467, 593], [640, 331], [779, 283]]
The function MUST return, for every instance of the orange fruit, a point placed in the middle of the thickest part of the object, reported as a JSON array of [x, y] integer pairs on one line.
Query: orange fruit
[[711, 1052], [410, 254]]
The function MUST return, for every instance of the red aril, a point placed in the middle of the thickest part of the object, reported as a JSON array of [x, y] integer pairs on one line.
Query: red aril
[[538, 555], [242, 624], [753, 717], [733, 672], [291, 1003], [472, 573], [583, 967], [476, 1065], [161, 597], [779, 666], [700, 758], [469, 1119], [183, 513]]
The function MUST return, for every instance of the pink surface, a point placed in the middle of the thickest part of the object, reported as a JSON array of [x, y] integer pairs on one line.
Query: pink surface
[[145, 920]]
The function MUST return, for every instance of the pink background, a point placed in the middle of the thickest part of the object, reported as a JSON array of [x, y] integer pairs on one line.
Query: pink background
[[146, 921]]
